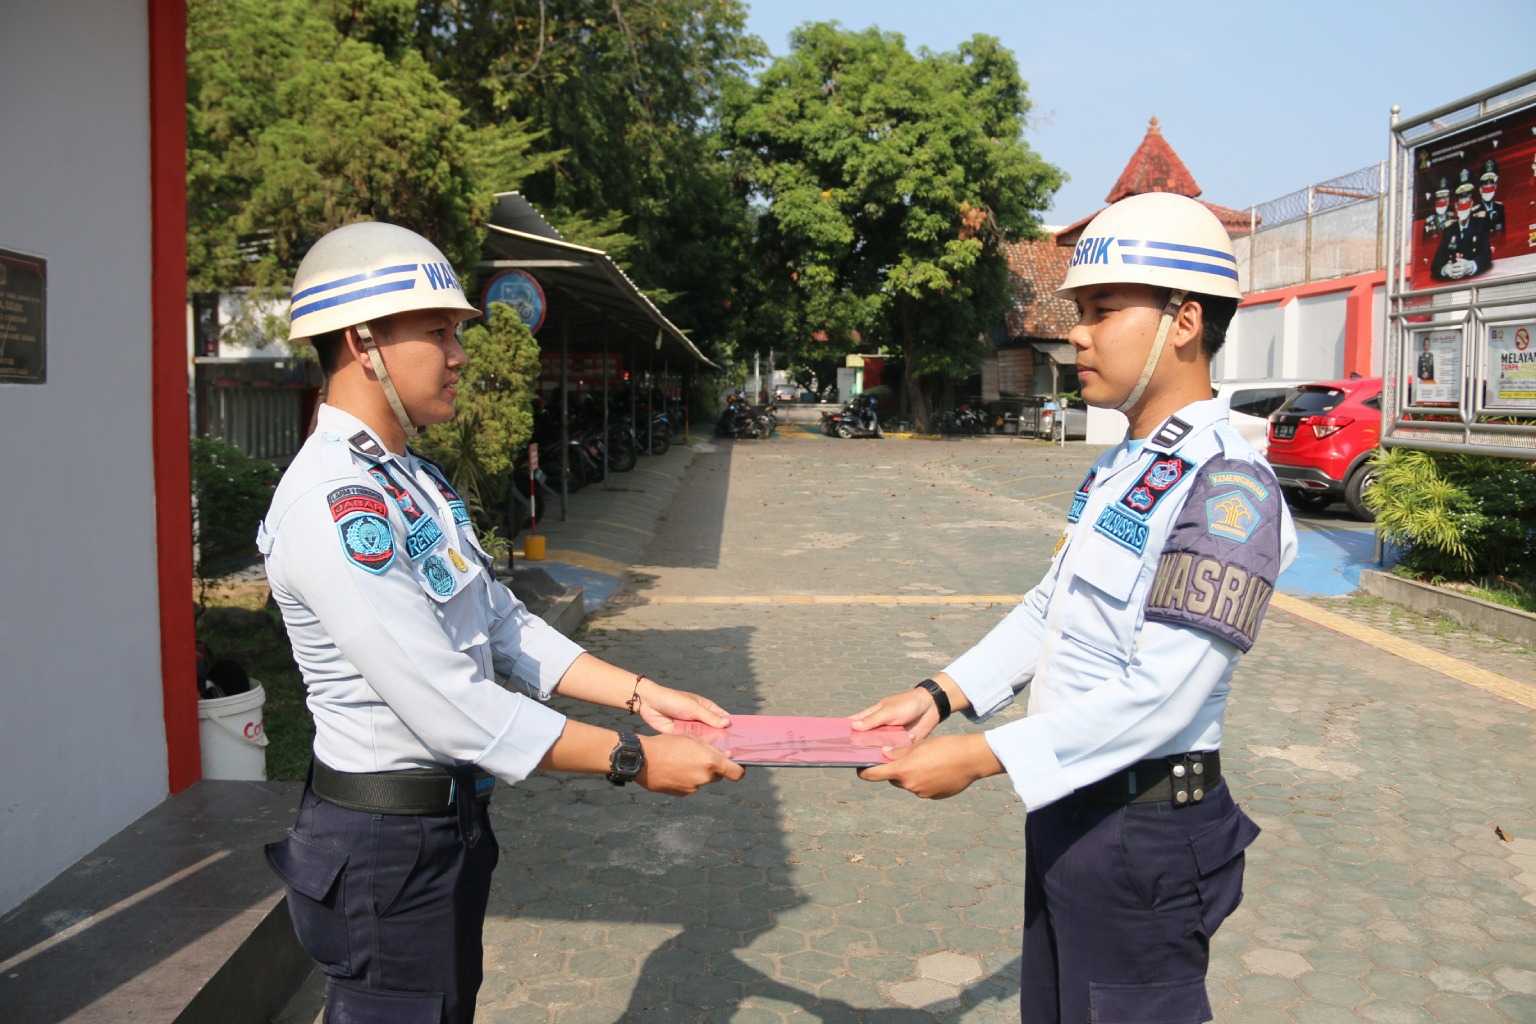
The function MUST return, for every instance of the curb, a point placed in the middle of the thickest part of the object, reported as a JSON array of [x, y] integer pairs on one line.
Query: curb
[[1472, 612]]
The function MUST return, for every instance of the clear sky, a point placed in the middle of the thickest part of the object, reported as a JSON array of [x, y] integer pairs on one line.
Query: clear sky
[[1259, 98]]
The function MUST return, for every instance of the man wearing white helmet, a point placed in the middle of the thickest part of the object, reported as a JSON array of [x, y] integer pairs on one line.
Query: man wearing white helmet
[[400, 630], [1159, 583]]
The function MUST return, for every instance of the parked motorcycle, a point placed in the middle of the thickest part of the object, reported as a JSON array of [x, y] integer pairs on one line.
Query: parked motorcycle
[[859, 418]]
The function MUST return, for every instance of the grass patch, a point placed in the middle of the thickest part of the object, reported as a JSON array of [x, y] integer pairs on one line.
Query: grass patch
[[238, 625]]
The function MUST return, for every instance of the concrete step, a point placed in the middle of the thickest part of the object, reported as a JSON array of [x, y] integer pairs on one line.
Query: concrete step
[[175, 918]]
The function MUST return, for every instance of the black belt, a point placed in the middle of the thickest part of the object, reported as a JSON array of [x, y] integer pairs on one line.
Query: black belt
[[413, 791], [1179, 779]]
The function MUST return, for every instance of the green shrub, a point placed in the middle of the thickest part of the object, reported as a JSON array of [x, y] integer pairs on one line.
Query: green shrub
[[1462, 517], [494, 417], [232, 492]]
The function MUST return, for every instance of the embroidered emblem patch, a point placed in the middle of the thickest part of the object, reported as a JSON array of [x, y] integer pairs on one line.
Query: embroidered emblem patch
[[458, 560], [1171, 433], [1232, 515], [1229, 478], [360, 517], [1080, 497], [421, 531], [1123, 529], [438, 576], [1159, 479]]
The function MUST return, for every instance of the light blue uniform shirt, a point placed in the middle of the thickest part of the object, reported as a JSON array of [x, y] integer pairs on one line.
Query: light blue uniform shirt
[[1159, 584], [397, 623]]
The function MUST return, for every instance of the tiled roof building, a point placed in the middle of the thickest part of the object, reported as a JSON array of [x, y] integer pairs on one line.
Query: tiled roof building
[[1155, 167]]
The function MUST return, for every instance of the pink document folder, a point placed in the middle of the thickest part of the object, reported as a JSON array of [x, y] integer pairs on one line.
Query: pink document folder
[[798, 742]]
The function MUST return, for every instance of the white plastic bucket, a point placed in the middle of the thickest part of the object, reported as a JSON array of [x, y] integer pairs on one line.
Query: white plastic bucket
[[234, 741]]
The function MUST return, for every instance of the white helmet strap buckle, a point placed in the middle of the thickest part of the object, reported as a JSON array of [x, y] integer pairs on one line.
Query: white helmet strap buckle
[[1170, 310], [375, 357]]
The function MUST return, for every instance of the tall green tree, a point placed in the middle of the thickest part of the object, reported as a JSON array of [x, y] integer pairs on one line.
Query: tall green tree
[[888, 181], [303, 117], [493, 419], [627, 95]]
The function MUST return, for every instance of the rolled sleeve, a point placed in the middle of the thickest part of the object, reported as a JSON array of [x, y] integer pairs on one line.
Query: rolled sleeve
[[1002, 663], [526, 647], [1120, 721], [515, 753]]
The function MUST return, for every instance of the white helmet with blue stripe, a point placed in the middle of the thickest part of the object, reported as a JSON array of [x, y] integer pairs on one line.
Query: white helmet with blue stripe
[[367, 271], [1160, 239]]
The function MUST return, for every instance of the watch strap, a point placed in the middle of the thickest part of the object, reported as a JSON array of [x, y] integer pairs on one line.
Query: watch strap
[[626, 760], [940, 698]]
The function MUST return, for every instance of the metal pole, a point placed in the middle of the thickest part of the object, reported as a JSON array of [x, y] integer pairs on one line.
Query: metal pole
[[1389, 409], [650, 412], [565, 412], [634, 392], [1306, 256], [666, 397], [607, 438]]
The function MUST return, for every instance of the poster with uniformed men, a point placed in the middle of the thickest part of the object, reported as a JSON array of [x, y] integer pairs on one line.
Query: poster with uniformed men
[[1474, 201]]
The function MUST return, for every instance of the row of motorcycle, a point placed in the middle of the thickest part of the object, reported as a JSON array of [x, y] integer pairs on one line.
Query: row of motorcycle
[[589, 447]]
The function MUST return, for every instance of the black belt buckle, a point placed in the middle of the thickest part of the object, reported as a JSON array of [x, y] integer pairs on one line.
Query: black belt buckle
[[1186, 775]]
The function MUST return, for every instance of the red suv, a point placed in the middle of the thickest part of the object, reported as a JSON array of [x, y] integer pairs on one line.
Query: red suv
[[1321, 441]]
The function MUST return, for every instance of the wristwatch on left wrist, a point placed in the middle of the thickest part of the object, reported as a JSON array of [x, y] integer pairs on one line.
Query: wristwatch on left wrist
[[627, 759]]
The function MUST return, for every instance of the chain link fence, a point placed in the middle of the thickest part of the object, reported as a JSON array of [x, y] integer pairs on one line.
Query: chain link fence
[[1331, 229]]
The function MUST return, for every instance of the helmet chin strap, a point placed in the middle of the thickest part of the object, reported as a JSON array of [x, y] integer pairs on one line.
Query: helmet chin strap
[[1170, 310], [365, 336]]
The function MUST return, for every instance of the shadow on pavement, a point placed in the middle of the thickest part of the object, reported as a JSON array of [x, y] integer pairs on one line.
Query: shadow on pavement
[[706, 884]]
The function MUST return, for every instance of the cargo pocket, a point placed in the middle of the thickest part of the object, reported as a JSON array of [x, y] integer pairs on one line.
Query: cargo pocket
[[1167, 1002], [312, 874], [352, 1004], [1218, 851]]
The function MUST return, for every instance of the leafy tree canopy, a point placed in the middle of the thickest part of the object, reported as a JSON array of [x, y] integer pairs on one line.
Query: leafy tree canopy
[[296, 127], [888, 180]]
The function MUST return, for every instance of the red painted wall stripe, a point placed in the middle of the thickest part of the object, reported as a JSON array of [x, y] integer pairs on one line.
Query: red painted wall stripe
[[170, 429]]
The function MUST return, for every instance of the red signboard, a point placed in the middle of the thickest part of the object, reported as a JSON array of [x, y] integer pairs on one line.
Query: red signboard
[[1474, 202]]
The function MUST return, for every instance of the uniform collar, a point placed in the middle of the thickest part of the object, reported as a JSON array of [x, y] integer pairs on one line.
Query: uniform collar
[[1186, 423], [338, 425]]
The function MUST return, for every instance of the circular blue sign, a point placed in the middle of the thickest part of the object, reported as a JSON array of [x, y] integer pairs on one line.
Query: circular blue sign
[[522, 291]]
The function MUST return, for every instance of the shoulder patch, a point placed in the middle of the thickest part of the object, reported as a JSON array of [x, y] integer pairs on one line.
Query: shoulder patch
[[1155, 483], [1218, 568], [361, 519], [421, 530], [1171, 433], [363, 442]]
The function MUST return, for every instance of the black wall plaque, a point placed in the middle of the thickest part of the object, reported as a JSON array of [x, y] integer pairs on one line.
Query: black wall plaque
[[23, 318]]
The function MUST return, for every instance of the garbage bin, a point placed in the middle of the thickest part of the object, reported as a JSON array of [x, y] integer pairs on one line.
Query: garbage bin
[[232, 735]]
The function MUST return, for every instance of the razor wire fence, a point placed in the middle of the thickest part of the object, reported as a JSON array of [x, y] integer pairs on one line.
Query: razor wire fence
[[1330, 229]]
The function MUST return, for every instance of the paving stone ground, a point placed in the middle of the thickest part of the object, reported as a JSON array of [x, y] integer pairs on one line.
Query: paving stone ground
[[1378, 892]]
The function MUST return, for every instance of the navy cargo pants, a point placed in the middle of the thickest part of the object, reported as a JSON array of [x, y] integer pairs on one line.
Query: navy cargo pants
[[1120, 903], [391, 907]]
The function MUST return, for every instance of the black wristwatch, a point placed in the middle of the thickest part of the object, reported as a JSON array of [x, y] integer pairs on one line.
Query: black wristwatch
[[627, 759], [940, 698]]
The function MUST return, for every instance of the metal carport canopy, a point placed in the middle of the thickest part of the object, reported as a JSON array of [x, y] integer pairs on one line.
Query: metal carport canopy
[[519, 238]]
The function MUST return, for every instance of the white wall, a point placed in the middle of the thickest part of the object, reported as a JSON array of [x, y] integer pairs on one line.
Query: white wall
[[1254, 343], [82, 735], [1316, 350]]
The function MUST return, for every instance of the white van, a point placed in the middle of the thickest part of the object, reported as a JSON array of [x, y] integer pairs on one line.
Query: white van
[[1251, 402]]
